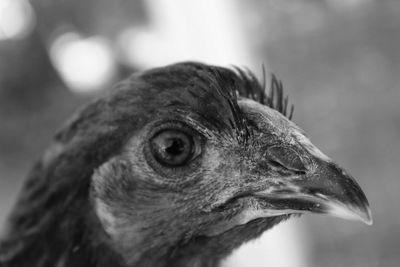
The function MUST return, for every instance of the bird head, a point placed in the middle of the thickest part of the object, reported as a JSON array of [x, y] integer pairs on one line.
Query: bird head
[[179, 165], [213, 166]]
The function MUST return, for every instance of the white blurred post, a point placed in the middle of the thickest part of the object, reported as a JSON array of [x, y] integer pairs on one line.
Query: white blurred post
[[212, 31]]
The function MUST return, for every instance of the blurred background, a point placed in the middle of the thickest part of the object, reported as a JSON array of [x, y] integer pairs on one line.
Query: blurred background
[[339, 61]]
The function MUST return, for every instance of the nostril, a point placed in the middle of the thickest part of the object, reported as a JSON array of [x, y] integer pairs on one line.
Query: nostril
[[286, 158], [300, 172], [275, 163]]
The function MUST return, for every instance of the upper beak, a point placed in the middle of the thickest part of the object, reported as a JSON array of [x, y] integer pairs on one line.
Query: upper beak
[[327, 189]]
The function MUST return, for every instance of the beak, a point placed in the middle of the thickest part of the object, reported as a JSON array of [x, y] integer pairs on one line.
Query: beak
[[306, 180], [326, 189]]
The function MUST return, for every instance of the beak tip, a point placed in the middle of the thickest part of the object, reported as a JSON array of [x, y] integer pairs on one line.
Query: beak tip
[[364, 212], [369, 222], [351, 212], [367, 217]]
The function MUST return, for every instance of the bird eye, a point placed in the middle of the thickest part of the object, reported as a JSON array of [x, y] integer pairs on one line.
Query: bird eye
[[173, 148]]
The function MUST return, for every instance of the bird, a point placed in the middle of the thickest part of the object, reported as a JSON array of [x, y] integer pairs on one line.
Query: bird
[[175, 166]]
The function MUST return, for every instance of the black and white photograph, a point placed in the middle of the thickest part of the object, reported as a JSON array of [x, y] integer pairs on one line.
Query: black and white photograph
[[199, 133]]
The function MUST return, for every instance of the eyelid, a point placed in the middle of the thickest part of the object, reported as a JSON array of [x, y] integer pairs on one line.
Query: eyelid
[[175, 125]]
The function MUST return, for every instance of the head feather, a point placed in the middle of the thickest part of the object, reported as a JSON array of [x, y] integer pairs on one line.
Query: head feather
[[253, 89]]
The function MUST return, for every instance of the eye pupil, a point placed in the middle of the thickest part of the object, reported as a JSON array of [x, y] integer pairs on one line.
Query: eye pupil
[[175, 147], [172, 148]]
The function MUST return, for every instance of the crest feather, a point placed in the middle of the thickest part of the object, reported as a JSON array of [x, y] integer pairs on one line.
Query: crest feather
[[257, 91]]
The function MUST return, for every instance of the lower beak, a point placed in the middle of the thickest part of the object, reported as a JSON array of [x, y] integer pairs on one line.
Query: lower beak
[[328, 190]]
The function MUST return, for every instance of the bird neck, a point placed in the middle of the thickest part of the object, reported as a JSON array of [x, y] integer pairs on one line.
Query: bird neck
[[199, 251], [186, 256], [151, 246]]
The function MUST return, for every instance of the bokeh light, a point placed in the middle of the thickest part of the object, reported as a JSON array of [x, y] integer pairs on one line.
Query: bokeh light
[[178, 32], [85, 64], [17, 19]]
